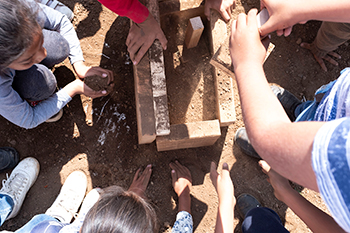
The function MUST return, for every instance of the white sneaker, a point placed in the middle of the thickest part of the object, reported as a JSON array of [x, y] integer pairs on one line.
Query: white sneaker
[[71, 195], [21, 179], [54, 4], [90, 200]]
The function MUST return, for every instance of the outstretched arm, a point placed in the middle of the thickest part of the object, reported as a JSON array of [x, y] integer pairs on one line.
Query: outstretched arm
[[284, 145], [314, 218], [227, 201]]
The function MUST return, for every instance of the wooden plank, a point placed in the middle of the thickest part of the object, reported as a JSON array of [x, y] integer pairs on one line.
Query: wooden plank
[[156, 58], [144, 102], [194, 31], [225, 105], [190, 135]]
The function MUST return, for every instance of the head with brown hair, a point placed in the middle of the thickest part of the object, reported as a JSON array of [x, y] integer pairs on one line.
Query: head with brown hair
[[120, 211]]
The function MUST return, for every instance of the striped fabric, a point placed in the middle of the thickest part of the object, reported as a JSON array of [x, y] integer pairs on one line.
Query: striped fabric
[[331, 150], [330, 161]]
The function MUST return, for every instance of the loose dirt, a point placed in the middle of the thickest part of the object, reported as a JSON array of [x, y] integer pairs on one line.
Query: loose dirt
[[99, 136]]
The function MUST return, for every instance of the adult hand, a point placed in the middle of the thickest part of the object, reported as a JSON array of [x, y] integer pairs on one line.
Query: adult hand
[[283, 15], [141, 37], [139, 183], [245, 44], [320, 59], [280, 184], [83, 71], [224, 7]]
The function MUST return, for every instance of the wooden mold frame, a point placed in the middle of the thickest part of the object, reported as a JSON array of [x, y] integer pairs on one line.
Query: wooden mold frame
[[151, 98]]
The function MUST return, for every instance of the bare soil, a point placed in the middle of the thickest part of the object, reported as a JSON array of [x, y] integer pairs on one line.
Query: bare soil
[[99, 137]]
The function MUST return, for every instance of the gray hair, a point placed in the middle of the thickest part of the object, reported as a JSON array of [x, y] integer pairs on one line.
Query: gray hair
[[18, 25], [120, 211]]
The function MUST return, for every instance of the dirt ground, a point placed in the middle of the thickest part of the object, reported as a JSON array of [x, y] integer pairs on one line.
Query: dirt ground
[[105, 146]]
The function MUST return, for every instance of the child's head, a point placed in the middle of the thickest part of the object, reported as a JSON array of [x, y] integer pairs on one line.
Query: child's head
[[20, 35], [120, 211]]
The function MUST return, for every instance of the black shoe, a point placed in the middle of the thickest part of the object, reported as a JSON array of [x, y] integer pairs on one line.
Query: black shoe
[[9, 158], [242, 141], [287, 99], [245, 203]]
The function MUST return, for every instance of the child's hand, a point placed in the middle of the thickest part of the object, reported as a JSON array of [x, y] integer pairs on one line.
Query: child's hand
[[181, 178], [245, 45], [83, 71], [224, 7], [139, 183], [222, 183], [182, 184], [280, 184], [141, 36]]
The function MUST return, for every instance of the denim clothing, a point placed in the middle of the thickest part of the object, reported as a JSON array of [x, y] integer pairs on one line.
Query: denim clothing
[[39, 220], [6, 207], [262, 220]]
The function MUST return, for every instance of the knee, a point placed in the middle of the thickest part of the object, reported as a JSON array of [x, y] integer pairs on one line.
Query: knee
[[36, 83]]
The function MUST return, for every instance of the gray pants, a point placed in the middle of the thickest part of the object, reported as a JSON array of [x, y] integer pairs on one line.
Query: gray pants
[[38, 82], [329, 37]]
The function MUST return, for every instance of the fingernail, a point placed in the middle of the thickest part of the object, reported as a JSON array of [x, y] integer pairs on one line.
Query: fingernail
[[149, 165], [134, 62], [104, 75], [172, 171], [104, 92]]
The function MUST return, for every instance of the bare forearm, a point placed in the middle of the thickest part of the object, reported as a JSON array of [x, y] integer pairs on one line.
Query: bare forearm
[[284, 145], [225, 217], [327, 10], [185, 202], [315, 219]]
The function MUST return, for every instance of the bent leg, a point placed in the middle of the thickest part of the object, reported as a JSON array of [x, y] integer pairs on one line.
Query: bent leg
[[36, 83], [262, 219], [57, 48], [329, 37]]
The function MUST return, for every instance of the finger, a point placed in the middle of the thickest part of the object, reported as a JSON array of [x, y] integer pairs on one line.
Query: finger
[[262, 5], [136, 176], [335, 55], [305, 45], [207, 11], [233, 27], [241, 20], [213, 174], [330, 60], [268, 27], [141, 53], [163, 41], [251, 20], [279, 32], [225, 167], [320, 62], [173, 177], [225, 15], [287, 31], [265, 166], [146, 174]]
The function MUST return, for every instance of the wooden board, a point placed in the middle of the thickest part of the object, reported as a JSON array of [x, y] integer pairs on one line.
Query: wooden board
[[190, 135]]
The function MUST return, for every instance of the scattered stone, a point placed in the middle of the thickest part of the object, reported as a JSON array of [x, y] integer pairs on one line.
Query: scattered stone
[[299, 41]]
